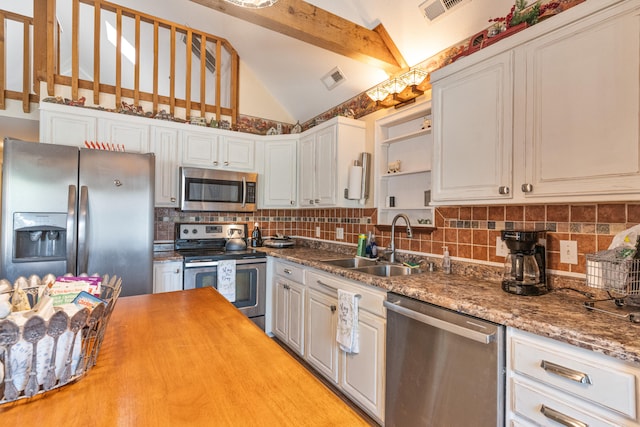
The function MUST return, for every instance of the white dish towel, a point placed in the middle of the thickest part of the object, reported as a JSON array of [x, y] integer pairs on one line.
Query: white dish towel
[[227, 279], [347, 331]]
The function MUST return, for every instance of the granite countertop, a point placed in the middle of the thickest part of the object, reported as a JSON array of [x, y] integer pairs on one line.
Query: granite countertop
[[560, 314]]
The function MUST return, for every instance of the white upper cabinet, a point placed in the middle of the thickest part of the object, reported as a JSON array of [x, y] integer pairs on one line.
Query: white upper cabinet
[[58, 126], [473, 122], [325, 154], [279, 180], [551, 114], [210, 149], [582, 115], [164, 143], [128, 132]]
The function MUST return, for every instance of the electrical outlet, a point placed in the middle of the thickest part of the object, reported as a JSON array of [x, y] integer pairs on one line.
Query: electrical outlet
[[339, 233], [317, 231], [501, 247], [568, 251]]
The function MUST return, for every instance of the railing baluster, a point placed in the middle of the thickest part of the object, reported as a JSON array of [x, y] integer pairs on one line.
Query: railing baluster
[[187, 87], [75, 50], [26, 67], [155, 65], [118, 58], [203, 74], [97, 27], [218, 79], [172, 73], [136, 84], [3, 79]]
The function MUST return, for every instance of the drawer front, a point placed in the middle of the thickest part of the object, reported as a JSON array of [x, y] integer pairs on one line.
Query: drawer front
[[596, 378], [290, 271], [549, 408], [370, 299]]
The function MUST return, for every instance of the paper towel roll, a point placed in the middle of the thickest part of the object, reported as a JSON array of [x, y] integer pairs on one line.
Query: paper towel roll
[[354, 190]]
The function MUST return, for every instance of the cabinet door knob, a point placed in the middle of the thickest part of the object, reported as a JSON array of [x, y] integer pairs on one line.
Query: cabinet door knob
[[317, 201], [503, 189], [292, 202], [173, 199], [310, 202], [215, 163], [333, 308], [226, 163], [527, 188], [177, 271]]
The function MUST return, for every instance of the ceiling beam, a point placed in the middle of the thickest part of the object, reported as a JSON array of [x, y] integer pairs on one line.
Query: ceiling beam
[[306, 22]]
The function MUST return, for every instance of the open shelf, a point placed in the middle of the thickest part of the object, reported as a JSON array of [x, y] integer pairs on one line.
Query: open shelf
[[391, 175], [405, 136]]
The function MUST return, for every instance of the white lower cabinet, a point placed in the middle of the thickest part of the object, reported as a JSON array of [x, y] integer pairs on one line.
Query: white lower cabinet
[[362, 375], [554, 383], [358, 375], [322, 347], [167, 276], [289, 305]]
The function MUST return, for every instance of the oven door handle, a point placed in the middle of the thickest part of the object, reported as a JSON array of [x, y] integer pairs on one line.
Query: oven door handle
[[198, 264]]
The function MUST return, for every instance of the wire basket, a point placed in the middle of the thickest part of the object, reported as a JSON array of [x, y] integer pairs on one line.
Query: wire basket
[[33, 363], [620, 278]]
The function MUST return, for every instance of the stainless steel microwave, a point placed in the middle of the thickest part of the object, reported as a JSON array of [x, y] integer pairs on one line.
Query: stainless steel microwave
[[216, 190]]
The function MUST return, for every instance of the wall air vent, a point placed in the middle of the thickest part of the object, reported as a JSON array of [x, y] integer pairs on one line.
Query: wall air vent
[[432, 9], [333, 78]]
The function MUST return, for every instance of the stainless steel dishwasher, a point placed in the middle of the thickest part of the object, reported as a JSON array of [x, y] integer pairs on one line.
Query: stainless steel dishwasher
[[443, 368]]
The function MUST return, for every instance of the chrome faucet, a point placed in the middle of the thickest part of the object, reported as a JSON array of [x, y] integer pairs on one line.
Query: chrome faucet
[[392, 245]]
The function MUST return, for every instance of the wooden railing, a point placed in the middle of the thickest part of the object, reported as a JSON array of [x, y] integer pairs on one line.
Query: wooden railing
[[25, 95], [48, 57]]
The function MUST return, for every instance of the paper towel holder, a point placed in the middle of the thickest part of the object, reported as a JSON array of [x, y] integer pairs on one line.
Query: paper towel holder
[[365, 163]]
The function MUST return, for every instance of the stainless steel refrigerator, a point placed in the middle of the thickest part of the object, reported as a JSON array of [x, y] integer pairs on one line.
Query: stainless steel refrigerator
[[70, 210]]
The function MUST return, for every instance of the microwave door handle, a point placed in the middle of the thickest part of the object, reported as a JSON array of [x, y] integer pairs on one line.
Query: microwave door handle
[[71, 229], [83, 216], [244, 191]]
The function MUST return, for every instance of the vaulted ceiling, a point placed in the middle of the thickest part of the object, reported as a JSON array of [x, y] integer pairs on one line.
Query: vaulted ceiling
[[291, 65]]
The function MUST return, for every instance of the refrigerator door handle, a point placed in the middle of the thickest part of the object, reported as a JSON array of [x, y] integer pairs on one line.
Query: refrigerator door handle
[[71, 229], [244, 191], [83, 216]]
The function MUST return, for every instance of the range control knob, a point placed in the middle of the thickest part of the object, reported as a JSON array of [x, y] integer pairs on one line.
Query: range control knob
[[194, 231], [185, 231]]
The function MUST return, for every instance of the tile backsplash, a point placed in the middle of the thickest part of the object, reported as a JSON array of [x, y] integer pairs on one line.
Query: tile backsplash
[[469, 231]]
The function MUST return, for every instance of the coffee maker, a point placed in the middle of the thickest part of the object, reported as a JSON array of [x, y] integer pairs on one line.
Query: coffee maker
[[524, 268]]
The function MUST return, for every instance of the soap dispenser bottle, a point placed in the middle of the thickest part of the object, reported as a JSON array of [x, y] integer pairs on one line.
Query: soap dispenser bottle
[[256, 236], [446, 261]]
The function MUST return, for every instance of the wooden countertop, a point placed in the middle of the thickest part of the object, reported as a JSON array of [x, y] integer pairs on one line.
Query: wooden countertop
[[186, 358]]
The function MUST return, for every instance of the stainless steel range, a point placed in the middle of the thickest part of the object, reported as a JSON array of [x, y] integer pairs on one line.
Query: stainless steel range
[[204, 246]]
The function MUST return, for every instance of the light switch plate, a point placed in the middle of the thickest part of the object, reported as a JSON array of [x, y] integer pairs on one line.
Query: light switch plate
[[340, 233], [501, 247], [568, 251]]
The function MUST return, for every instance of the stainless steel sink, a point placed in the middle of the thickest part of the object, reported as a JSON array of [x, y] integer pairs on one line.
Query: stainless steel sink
[[350, 262], [385, 270]]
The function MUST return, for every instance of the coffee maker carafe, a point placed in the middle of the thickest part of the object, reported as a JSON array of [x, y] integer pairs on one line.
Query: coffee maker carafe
[[524, 268]]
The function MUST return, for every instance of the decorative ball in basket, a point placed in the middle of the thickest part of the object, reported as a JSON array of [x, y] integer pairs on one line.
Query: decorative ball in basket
[[51, 330]]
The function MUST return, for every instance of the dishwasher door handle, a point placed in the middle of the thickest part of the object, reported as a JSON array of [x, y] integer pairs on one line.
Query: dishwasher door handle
[[441, 324]]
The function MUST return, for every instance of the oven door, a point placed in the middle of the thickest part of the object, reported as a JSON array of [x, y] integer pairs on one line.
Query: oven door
[[251, 282]]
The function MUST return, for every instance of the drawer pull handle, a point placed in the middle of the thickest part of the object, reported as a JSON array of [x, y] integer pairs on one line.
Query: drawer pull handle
[[561, 418], [571, 374], [321, 283], [287, 271]]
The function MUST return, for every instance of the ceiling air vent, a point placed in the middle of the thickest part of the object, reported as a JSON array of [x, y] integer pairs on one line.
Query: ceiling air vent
[[333, 78], [432, 9]]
